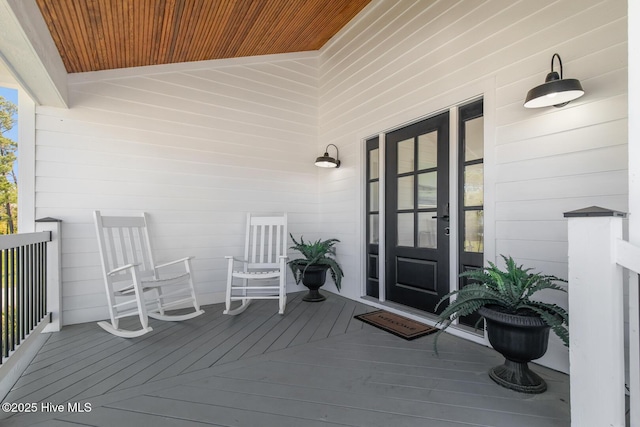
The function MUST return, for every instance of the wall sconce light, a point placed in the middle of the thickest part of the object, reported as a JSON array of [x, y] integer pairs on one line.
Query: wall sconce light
[[326, 161], [555, 90]]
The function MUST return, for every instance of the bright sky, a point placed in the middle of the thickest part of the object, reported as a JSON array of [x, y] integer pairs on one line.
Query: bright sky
[[11, 95]]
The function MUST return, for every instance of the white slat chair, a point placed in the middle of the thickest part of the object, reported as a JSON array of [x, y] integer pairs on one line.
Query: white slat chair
[[262, 273], [135, 285]]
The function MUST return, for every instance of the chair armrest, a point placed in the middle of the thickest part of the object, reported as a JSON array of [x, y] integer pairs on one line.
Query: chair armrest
[[119, 269], [244, 261], [174, 262]]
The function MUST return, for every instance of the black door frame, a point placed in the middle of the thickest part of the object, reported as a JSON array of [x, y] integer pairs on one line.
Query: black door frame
[[372, 245], [467, 260]]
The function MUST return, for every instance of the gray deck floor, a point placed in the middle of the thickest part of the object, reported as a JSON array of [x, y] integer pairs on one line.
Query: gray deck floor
[[313, 366]]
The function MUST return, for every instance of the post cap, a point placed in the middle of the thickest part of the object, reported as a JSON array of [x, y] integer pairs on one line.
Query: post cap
[[594, 211]]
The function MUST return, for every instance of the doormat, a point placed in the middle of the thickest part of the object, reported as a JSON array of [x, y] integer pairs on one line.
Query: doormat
[[396, 324]]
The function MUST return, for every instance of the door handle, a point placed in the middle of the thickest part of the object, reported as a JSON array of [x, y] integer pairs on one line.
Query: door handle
[[445, 217], [446, 213]]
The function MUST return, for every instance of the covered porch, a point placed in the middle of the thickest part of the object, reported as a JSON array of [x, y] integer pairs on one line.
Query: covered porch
[[316, 365], [199, 144]]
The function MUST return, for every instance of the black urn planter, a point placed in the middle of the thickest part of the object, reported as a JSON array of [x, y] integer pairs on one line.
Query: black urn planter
[[313, 278], [520, 339]]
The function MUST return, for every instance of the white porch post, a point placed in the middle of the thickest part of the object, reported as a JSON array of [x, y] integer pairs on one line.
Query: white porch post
[[596, 322], [54, 269], [633, 26]]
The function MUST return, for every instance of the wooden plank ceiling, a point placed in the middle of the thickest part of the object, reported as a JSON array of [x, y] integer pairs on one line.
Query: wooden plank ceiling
[[94, 35]]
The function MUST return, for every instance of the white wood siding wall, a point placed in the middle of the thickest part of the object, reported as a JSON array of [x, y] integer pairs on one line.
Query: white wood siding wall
[[402, 60], [195, 145]]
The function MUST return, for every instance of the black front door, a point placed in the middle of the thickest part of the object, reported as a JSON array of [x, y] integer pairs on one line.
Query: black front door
[[417, 213]]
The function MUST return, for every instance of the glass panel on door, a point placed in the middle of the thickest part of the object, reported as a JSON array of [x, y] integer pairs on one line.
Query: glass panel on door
[[428, 190], [474, 231], [427, 230], [405, 192], [428, 150], [405, 229], [406, 156]]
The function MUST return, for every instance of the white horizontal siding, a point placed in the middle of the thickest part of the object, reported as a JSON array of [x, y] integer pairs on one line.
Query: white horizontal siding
[[196, 146], [399, 61]]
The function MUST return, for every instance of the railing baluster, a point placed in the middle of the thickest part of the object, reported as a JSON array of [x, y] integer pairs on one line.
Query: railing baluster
[[12, 291], [22, 296], [23, 290], [36, 284], [36, 267], [43, 279], [32, 290], [17, 296], [5, 307], [2, 305], [36, 290], [16, 290]]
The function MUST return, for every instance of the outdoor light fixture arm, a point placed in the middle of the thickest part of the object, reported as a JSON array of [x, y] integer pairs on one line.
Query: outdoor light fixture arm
[[555, 55], [327, 150]]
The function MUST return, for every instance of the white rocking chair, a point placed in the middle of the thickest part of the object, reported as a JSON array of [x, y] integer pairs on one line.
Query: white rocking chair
[[265, 262], [133, 281]]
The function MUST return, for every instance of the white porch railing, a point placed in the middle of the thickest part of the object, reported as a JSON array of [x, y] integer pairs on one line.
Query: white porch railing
[[29, 296], [597, 256]]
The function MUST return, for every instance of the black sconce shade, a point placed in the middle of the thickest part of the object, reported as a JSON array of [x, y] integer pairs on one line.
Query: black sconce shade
[[326, 161], [555, 90]]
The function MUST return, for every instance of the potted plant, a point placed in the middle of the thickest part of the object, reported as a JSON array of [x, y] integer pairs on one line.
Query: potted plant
[[312, 269], [517, 326]]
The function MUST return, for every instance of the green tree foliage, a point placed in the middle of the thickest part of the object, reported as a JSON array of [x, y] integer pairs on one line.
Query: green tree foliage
[[8, 178]]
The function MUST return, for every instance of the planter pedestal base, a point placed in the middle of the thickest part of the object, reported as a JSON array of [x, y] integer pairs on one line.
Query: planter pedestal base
[[313, 278], [519, 339], [517, 376], [313, 296]]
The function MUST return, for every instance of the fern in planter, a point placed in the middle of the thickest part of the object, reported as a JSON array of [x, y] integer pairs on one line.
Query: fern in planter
[[320, 253], [507, 291]]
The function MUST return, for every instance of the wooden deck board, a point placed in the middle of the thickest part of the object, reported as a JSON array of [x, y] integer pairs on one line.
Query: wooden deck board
[[324, 328], [307, 405], [172, 350], [288, 336], [314, 365], [334, 380], [355, 324], [263, 344], [244, 347], [373, 404], [240, 414], [239, 328], [187, 356], [109, 417], [343, 319], [321, 317], [76, 378]]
